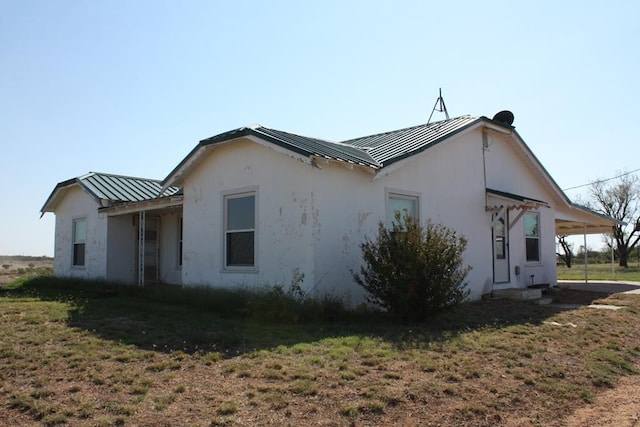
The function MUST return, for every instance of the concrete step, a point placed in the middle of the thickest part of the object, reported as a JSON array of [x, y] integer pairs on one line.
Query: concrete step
[[517, 293]]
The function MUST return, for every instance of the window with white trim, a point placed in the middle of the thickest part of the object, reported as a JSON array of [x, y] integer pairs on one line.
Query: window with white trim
[[532, 236], [240, 229], [79, 241], [405, 204]]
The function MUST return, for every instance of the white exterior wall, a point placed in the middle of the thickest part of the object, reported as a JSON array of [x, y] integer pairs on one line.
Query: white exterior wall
[[121, 256], [285, 207], [170, 270], [122, 259], [314, 219], [507, 170], [78, 204], [449, 178]]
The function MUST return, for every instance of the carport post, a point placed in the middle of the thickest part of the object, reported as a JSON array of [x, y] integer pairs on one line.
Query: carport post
[[141, 239], [613, 268], [586, 273]]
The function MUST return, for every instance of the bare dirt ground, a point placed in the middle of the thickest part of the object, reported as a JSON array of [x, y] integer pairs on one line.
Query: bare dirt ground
[[13, 267], [619, 407]]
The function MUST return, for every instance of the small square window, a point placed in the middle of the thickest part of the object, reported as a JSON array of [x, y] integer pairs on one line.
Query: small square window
[[405, 205]]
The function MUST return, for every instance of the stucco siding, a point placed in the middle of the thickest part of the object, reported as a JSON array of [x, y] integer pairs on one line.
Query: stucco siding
[[313, 219], [75, 205], [508, 170], [121, 255], [286, 212], [449, 178], [170, 269]]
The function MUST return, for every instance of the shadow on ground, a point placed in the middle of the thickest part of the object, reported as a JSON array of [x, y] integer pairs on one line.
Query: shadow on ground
[[160, 321]]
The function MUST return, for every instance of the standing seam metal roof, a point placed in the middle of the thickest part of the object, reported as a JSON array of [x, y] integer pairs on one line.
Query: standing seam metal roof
[[320, 147], [374, 151], [390, 146], [118, 188]]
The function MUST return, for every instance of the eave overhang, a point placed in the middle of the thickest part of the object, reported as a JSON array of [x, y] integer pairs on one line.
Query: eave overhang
[[159, 204], [499, 200], [582, 220], [255, 134], [56, 195]]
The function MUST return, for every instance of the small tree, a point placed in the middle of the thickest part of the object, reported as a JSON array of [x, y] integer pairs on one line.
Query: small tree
[[413, 271], [621, 201], [567, 250]]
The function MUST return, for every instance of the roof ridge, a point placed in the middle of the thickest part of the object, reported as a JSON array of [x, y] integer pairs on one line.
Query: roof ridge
[[293, 133], [440, 122], [92, 173]]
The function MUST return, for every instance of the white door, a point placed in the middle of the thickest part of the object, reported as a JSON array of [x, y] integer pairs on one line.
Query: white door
[[501, 247]]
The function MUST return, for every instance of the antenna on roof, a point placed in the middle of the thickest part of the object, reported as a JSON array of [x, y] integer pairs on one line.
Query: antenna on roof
[[439, 107]]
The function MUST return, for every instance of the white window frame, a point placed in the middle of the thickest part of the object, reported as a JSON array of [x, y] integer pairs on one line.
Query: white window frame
[[527, 237], [240, 193], [74, 242], [392, 193]]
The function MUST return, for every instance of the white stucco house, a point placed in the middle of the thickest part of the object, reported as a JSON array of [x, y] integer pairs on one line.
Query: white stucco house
[[254, 206]]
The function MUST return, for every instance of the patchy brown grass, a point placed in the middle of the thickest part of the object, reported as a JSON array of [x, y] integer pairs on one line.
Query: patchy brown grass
[[78, 358], [15, 267]]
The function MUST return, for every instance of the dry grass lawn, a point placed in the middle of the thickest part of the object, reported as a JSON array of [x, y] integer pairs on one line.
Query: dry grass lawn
[[101, 358]]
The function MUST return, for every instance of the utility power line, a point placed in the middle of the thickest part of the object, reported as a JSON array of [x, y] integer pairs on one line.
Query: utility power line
[[602, 180]]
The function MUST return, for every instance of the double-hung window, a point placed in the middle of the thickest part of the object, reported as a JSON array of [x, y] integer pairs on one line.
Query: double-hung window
[[240, 230], [79, 241], [403, 204], [532, 236]]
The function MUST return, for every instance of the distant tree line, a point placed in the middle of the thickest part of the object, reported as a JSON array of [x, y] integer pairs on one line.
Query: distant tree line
[[25, 258]]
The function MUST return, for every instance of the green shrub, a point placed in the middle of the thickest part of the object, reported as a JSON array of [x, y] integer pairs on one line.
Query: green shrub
[[413, 271]]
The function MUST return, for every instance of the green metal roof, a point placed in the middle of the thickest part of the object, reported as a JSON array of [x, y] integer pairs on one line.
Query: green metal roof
[[389, 147], [374, 151], [118, 188], [318, 147], [304, 145], [515, 197], [112, 189]]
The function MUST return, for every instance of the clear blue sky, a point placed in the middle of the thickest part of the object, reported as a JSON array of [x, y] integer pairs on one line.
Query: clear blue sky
[[129, 87]]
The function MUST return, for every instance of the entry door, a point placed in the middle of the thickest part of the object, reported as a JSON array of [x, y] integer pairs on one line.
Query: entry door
[[151, 263], [501, 247]]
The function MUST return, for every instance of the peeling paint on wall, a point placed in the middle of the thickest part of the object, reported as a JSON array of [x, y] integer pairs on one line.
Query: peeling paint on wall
[[345, 243], [362, 218]]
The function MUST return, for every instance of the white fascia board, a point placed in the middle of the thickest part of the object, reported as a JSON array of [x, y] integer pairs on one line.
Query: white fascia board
[[55, 197], [147, 205], [279, 149], [177, 176], [539, 168]]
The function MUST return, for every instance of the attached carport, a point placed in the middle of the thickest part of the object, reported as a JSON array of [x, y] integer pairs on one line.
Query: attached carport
[[574, 219]]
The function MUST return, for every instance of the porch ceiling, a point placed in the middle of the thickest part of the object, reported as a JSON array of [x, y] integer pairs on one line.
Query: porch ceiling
[[566, 227]]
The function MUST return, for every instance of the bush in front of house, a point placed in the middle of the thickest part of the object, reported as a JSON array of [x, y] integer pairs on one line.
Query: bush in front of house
[[413, 271]]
